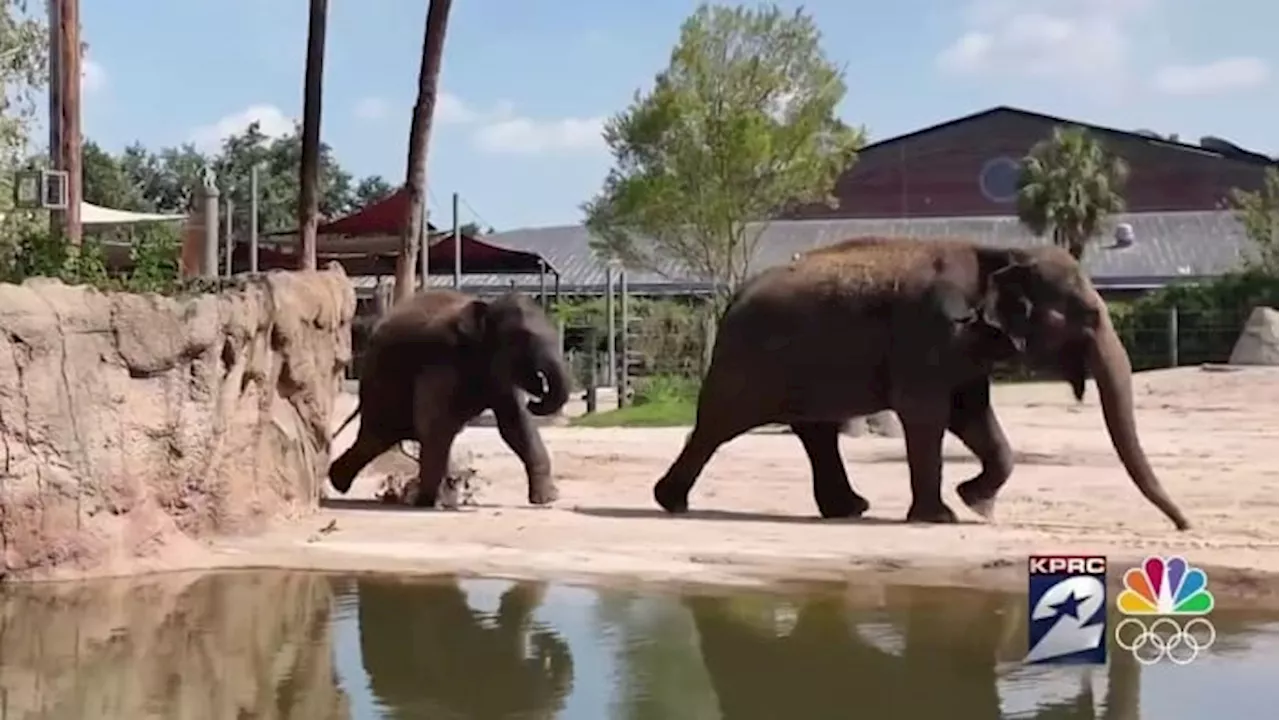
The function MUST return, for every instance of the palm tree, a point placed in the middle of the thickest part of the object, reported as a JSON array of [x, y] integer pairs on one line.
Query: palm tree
[[419, 137], [308, 195], [1069, 186]]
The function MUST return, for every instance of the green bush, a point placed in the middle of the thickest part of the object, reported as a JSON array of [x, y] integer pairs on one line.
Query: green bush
[[154, 257], [657, 389], [1210, 317]]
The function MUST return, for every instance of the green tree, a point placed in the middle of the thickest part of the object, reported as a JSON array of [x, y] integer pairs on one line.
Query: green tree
[[740, 124], [107, 182], [1257, 213], [370, 190], [1068, 187], [24, 64], [474, 229]]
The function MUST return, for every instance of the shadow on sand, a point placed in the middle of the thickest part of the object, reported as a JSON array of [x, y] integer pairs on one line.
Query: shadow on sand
[[739, 516]]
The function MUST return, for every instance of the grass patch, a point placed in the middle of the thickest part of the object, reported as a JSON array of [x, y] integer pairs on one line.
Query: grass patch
[[659, 401], [660, 414]]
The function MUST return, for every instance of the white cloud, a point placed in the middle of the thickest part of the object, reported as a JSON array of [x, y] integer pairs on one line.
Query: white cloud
[[271, 121], [1220, 76], [526, 136], [451, 110], [1086, 40], [371, 108], [93, 77], [500, 130]]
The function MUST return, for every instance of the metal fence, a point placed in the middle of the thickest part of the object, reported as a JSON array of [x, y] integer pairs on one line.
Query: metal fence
[[1182, 337]]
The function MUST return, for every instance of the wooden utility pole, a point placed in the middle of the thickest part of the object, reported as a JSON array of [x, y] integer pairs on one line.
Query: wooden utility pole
[[419, 137], [309, 172], [64, 110]]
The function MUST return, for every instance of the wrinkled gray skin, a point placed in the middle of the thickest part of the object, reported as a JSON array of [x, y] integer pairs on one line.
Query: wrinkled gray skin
[[873, 324], [439, 359]]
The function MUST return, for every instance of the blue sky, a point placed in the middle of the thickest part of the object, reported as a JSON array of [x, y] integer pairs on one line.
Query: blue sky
[[527, 83]]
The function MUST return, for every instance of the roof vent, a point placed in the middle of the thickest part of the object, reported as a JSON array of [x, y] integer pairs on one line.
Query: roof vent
[[1124, 235]]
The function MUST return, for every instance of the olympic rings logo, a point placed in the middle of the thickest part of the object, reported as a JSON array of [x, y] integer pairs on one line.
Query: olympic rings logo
[[1164, 638]]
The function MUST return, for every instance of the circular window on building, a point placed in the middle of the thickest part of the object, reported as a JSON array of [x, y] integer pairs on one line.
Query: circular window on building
[[999, 179]]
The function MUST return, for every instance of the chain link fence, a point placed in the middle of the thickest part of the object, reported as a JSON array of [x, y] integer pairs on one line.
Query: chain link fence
[[1182, 337]]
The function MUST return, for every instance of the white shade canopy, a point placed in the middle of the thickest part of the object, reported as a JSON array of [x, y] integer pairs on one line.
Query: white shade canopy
[[91, 214]]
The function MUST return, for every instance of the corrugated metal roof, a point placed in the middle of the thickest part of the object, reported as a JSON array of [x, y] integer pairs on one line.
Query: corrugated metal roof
[[1167, 246]]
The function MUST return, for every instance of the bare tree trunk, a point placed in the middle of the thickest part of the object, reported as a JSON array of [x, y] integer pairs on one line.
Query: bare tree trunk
[[419, 138], [308, 180]]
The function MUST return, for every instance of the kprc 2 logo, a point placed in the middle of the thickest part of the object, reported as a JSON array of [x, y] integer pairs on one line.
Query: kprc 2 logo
[[1068, 609], [1155, 596]]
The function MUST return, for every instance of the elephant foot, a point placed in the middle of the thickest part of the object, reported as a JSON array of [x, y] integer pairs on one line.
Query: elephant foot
[[671, 500], [977, 498], [543, 493], [932, 513], [426, 499], [845, 505]]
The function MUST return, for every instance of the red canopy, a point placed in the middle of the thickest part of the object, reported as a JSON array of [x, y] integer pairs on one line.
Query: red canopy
[[380, 221], [478, 258], [382, 217]]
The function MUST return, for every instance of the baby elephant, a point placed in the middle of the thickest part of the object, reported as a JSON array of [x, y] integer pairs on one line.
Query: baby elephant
[[439, 359]]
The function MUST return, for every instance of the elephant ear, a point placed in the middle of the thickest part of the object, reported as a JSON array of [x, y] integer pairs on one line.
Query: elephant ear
[[1007, 307], [472, 322]]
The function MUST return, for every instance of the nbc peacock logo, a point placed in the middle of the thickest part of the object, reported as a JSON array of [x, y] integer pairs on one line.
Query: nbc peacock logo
[[1165, 589]]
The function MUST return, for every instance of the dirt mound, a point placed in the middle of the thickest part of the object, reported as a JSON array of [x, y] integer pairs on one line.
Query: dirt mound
[[133, 424]]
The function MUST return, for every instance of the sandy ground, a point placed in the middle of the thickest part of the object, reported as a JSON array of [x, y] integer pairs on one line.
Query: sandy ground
[[1211, 436]]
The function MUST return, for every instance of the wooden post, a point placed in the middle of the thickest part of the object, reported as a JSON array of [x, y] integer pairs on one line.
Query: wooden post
[[1173, 336], [708, 338], [64, 110], [309, 170], [624, 376], [593, 361], [230, 247], [611, 328], [253, 219]]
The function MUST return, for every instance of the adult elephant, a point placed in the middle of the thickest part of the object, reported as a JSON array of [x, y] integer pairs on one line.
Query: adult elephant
[[872, 324], [439, 359]]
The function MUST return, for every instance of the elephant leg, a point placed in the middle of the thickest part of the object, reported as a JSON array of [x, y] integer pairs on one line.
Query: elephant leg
[[436, 430], [725, 411], [673, 488], [974, 421], [923, 427], [518, 431], [832, 491], [367, 447]]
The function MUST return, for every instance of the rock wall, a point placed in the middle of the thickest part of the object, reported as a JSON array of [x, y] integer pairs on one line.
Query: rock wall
[[133, 425], [208, 647]]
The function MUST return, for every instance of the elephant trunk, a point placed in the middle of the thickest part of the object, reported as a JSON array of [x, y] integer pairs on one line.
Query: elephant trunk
[[555, 392], [1109, 365]]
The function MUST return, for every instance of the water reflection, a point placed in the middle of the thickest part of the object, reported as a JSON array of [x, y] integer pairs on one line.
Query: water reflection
[[768, 657], [296, 645], [214, 647], [428, 654]]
